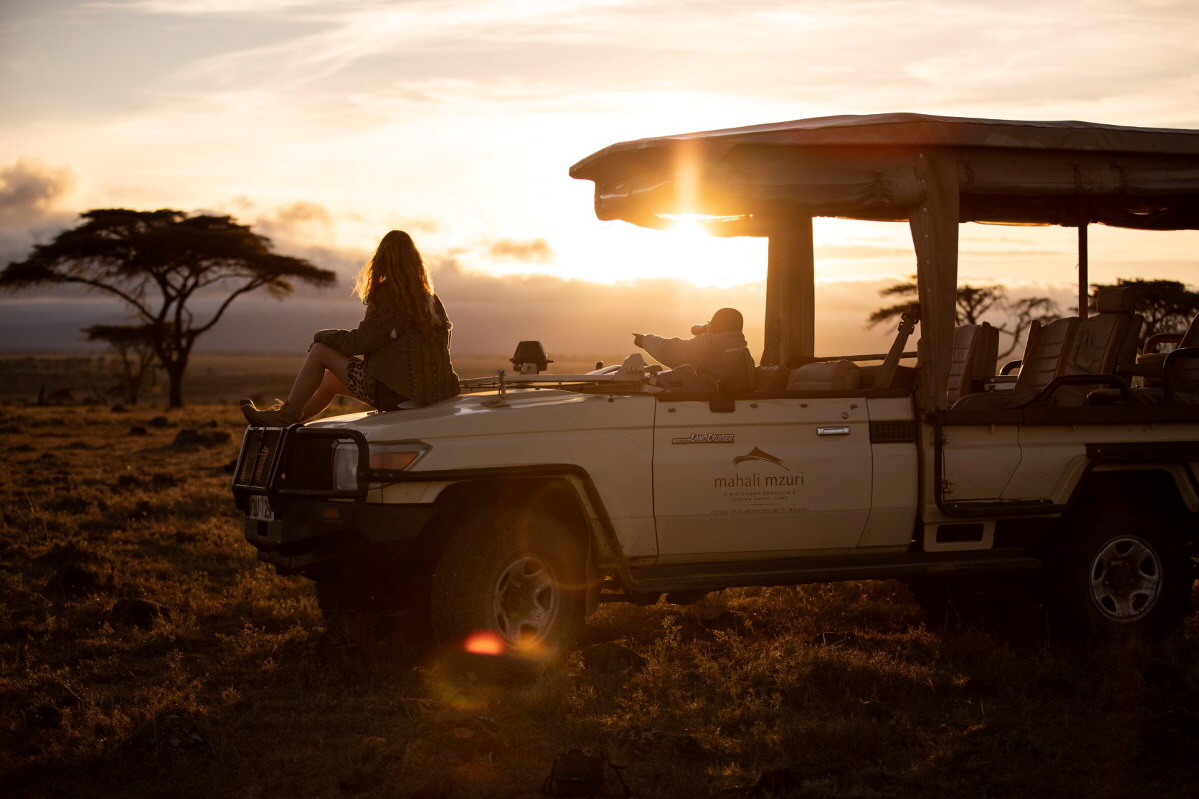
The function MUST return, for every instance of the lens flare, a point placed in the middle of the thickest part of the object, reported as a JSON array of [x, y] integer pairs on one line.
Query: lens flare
[[485, 642]]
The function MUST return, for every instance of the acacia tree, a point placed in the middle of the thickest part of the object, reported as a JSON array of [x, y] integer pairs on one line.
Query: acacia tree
[[975, 302], [158, 262], [134, 346]]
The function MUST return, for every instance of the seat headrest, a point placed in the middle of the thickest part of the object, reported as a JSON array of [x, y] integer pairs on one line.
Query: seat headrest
[[1116, 299]]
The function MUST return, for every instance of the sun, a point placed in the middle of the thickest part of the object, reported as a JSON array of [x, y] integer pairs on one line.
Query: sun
[[706, 260], [620, 252]]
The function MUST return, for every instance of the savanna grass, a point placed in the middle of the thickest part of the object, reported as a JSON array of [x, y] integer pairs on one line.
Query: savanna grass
[[145, 652]]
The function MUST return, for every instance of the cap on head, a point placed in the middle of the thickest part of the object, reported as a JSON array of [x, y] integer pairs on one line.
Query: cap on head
[[725, 320]]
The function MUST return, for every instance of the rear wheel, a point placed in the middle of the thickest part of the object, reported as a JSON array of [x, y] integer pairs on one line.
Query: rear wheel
[[510, 585], [1120, 575]]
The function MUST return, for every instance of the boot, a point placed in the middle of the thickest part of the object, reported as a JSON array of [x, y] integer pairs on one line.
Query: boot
[[281, 414]]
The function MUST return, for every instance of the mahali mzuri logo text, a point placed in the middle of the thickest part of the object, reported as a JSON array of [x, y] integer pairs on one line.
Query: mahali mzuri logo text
[[756, 479]]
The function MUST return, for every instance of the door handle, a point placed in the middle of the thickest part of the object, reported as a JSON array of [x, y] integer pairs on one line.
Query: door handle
[[842, 430]]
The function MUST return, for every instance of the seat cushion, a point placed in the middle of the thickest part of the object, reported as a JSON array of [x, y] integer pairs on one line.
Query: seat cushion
[[995, 400]]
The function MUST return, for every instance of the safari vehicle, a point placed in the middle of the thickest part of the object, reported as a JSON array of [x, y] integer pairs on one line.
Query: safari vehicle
[[518, 507]]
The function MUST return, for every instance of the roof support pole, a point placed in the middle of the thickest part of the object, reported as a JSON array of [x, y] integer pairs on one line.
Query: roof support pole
[[1084, 279], [934, 226], [790, 294]]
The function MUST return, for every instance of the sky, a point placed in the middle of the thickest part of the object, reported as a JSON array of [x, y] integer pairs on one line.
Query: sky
[[325, 124]]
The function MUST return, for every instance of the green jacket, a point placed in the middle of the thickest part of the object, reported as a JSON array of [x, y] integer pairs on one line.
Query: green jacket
[[414, 364]]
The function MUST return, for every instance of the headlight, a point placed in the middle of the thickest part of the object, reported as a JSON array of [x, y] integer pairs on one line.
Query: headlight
[[398, 456], [345, 466]]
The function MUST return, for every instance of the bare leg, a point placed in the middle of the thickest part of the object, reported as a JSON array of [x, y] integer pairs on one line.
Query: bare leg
[[329, 388], [322, 376], [321, 358]]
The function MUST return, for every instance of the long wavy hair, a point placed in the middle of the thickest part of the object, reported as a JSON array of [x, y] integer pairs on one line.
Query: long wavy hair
[[396, 282]]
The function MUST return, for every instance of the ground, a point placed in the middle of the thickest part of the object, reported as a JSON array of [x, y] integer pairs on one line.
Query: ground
[[145, 652]]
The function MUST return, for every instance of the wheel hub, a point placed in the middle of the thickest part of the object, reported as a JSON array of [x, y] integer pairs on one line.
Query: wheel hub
[[525, 601], [1125, 579]]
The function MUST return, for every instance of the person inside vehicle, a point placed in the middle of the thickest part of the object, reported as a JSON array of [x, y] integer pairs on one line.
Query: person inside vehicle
[[717, 351], [397, 357]]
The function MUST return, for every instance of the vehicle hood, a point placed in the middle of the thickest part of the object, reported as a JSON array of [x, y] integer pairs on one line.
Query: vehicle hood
[[522, 412]]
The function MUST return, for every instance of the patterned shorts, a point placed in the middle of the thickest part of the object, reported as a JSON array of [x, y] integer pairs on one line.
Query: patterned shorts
[[356, 381]]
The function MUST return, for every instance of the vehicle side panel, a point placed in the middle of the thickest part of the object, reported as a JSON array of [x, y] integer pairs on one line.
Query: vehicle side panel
[[609, 437], [777, 475]]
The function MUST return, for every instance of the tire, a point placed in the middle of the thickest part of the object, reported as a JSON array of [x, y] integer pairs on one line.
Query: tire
[[1120, 576], [516, 576]]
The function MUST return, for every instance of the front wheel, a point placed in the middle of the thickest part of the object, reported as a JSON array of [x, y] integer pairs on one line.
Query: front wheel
[[510, 585], [1120, 576]]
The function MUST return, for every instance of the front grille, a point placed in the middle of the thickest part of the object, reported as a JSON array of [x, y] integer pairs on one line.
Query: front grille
[[260, 449], [292, 462]]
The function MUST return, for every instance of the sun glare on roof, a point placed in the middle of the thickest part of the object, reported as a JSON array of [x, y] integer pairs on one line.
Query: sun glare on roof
[[708, 260], [701, 221]]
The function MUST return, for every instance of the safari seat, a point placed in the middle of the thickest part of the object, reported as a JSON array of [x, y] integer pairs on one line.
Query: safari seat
[[1150, 364], [1050, 354], [1178, 385], [731, 370], [975, 351], [1107, 341], [734, 369], [1106, 344]]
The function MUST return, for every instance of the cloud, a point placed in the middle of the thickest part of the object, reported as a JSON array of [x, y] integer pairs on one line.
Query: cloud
[[298, 221], [311, 230], [29, 189], [30, 195], [537, 250], [861, 251], [204, 7], [304, 213]]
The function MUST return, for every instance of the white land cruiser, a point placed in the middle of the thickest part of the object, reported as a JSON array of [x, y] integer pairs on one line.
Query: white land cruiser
[[517, 507]]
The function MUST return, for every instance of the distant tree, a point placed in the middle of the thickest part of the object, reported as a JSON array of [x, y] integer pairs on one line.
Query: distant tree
[[134, 346], [157, 262], [1167, 305], [973, 304]]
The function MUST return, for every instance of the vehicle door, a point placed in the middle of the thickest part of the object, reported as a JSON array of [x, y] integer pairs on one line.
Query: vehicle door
[[784, 474]]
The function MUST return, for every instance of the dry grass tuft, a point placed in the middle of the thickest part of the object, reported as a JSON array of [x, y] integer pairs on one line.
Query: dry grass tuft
[[144, 652]]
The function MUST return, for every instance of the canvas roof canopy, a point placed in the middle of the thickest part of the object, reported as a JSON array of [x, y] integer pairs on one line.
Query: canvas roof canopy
[[934, 172]]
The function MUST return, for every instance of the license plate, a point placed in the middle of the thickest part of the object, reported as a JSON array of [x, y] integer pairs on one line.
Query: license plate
[[260, 509]]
